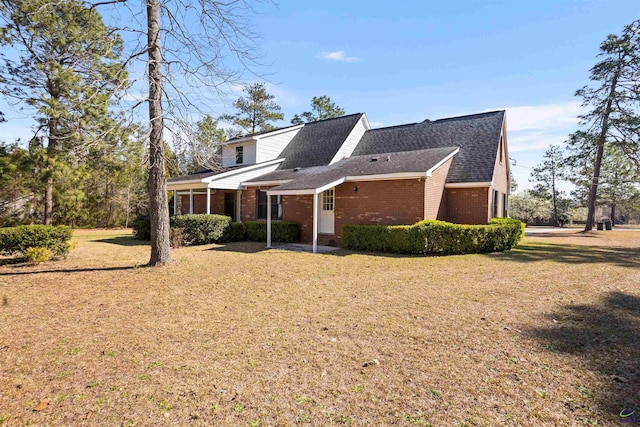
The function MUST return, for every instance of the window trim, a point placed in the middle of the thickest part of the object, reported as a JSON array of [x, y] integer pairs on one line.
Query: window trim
[[328, 200], [261, 206], [239, 154]]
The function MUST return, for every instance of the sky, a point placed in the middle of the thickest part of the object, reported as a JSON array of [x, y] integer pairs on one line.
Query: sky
[[407, 61]]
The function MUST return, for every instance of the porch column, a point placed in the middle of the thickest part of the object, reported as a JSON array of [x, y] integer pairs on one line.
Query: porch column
[[268, 221], [175, 202], [190, 201], [315, 222], [238, 205], [208, 201]]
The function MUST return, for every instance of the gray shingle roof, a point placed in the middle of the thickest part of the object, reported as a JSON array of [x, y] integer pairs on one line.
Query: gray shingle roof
[[202, 174], [477, 135], [418, 161], [318, 142]]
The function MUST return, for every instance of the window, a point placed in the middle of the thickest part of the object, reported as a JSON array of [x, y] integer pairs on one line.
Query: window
[[239, 155], [505, 204], [501, 151], [276, 206], [327, 200], [496, 198]]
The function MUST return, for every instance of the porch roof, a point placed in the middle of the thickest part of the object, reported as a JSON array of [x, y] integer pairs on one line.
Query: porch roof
[[399, 165]]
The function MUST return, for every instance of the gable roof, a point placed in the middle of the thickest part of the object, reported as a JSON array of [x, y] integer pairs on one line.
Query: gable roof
[[318, 142], [477, 135], [408, 163]]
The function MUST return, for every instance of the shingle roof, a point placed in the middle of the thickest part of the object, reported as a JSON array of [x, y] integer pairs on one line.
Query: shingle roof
[[262, 132], [202, 174], [477, 135], [318, 142], [418, 161]]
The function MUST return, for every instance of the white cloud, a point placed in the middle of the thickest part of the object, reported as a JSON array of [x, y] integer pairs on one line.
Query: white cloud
[[338, 55], [535, 127], [545, 116]]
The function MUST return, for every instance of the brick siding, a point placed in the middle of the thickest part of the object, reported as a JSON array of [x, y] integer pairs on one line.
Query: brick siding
[[468, 205]]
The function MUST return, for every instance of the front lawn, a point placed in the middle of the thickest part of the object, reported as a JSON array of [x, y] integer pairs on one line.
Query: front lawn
[[546, 334]]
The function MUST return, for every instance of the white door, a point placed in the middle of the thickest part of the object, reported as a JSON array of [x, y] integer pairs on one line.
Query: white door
[[325, 216]]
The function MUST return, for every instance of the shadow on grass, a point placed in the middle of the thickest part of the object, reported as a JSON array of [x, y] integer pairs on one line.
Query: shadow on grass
[[605, 336], [572, 254], [124, 241], [240, 247], [68, 270]]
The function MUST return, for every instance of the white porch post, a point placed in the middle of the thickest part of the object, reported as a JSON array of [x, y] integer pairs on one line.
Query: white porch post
[[191, 201], [238, 205], [175, 202], [315, 222], [268, 220], [208, 201]]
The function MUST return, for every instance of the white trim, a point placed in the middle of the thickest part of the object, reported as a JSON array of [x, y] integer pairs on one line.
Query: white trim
[[442, 162], [186, 186], [468, 184], [190, 202], [263, 135], [175, 202], [208, 201], [260, 183], [315, 223], [238, 205], [339, 156], [195, 192], [330, 185], [243, 169], [291, 192], [268, 221]]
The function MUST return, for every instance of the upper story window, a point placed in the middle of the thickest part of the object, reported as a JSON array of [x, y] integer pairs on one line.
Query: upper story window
[[239, 155]]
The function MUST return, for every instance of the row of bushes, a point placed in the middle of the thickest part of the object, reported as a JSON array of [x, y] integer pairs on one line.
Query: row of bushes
[[435, 237], [205, 229], [25, 240]]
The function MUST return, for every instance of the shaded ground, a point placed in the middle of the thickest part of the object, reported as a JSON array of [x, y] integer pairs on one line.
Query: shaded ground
[[237, 335]]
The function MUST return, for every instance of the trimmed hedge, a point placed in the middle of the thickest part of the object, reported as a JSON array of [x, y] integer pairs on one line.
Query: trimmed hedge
[[435, 237], [281, 231], [142, 228], [236, 232], [17, 240], [203, 229]]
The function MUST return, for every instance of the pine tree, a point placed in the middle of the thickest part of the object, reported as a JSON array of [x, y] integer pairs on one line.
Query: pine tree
[[546, 176], [67, 70], [256, 111], [613, 118], [321, 108]]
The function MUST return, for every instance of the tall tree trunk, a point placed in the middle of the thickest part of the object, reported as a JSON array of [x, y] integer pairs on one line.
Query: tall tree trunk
[[52, 146], [602, 137], [613, 215], [159, 206]]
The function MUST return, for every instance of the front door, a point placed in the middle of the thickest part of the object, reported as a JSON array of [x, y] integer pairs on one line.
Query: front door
[[326, 217], [230, 205]]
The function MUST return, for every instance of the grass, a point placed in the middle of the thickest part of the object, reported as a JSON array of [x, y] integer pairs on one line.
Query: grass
[[546, 334]]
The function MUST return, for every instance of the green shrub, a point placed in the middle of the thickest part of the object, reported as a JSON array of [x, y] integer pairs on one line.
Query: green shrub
[[36, 255], [16, 240], [142, 228], [435, 237], [399, 239], [281, 231], [203, 229], [236, 233]]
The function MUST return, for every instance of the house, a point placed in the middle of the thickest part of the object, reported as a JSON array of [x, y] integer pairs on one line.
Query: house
[[325, 174]]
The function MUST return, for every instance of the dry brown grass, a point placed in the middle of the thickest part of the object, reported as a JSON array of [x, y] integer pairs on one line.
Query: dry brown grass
[[546, 334]]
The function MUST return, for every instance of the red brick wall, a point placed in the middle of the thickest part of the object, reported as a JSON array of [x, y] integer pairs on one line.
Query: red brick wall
[[299, 209], [468, 205], [200, 203], [391, 202], [434, 190]]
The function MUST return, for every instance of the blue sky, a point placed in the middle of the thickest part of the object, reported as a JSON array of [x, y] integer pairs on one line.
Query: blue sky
[[411, 60]]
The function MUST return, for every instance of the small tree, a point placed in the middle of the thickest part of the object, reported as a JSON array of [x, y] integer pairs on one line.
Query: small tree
[[526, 206], [321, 108], [546, 177], [256, 111]]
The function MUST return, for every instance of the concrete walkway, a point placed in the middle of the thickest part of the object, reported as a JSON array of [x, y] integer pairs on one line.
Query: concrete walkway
[[299, 247]]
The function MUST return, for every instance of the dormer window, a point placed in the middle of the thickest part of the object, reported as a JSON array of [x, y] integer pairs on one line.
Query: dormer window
[[239, 155]]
